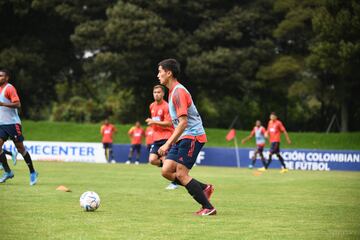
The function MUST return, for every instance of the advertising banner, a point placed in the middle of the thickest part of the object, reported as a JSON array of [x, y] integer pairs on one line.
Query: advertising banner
[[295, 159]]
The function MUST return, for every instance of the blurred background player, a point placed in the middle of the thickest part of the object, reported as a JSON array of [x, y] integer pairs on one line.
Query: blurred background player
[[274, 130], [10, 127], [13, 155], [108, 131], [161, 122], [259, 133], [149, 140], [185, 143], [136, 134]]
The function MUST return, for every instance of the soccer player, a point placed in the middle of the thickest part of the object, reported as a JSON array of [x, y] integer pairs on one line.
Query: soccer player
[[149, 132], [161, 122], [108, 131], [10, 127], [185, 143], [274, 130], [136, 134], [259, 133]]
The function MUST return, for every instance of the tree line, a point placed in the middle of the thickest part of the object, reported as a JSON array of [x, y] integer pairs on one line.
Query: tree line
[[83, 60]]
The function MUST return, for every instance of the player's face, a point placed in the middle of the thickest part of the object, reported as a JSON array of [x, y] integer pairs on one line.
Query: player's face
[[158, 94], [163, 76], [273, 117], [3, 78], [258, 123], [137, 124]]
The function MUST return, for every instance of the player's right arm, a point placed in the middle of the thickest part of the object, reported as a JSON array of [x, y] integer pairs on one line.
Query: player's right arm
[[248, 137], [11, 94]]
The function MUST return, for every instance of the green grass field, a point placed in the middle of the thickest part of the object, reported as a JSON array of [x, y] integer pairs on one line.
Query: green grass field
[[55, 131], [134, 204]]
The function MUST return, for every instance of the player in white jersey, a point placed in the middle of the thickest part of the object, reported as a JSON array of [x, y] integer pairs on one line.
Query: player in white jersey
[[10, 127], [259, 133]]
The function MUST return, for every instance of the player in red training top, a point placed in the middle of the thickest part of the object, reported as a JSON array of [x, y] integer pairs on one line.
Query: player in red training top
[[185, 143], [161, 122], [149, 140], [136, 134], [274, 130], [259, 133], [10, 127], [108, 131]]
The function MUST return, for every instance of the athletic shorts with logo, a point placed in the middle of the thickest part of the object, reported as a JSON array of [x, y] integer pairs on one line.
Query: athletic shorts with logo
[[12, 132], [185, 152], [156, 145]]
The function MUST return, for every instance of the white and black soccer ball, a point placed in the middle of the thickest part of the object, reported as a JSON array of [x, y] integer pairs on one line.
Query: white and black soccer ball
[[89, 201]]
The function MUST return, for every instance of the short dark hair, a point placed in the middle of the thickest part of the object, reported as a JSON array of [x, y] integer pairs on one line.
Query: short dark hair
[[273, 113], [6, 71], [159, 86], [172, 65]]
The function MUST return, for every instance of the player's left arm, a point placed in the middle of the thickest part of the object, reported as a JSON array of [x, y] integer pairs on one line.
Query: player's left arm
[[183, 121], [283, 129]]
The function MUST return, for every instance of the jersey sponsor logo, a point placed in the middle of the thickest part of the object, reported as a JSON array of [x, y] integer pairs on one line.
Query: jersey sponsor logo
[[156, 118]]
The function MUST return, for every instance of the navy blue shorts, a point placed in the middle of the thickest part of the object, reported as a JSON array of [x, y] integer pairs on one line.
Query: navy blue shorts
[[275, 147], [107, 145], [135, 147], [185, 152], [260, 148], [11, 131], [156, 145]]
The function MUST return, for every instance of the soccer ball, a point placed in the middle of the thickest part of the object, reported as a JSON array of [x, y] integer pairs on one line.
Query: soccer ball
[[89, 201]]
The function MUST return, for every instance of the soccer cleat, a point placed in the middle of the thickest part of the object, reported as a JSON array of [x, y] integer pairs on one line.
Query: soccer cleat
[[262, 169], [127, 162], [208, 191], [250, 166], [172, 186], [284, 170], [13, 156], [136, 162], [206, 212], [6, 175], [113, 161], [33, 178]]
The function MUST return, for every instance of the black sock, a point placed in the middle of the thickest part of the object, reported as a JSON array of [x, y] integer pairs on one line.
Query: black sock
[[161, 163], [202, 185], [197, 193], [253, 162], [28, 161], [263, 161], [176, 181], [269, 161], [7, 152], [281, 160], [4, 162]]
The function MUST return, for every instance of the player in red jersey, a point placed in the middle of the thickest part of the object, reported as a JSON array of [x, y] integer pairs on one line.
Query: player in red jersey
[[161, 122], [185, 143], [136, 134], [274, 130], [149, 140], [259, 133], [108, 131]]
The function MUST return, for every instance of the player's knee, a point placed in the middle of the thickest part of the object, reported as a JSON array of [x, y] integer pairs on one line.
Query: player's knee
[[181, 176], [166, 174]]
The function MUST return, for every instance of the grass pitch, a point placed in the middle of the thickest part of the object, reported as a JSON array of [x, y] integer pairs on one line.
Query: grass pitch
[[134, 204]]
